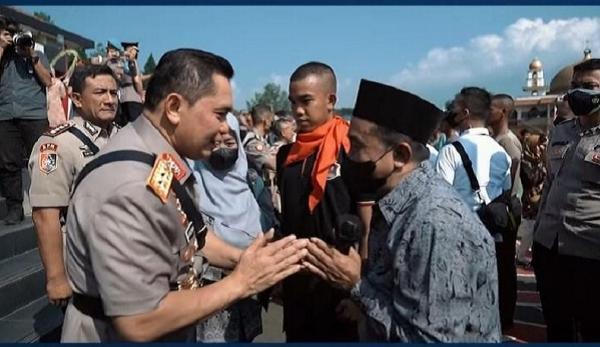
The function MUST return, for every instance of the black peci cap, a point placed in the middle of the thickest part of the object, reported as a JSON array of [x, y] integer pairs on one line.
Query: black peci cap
[[397, 109]]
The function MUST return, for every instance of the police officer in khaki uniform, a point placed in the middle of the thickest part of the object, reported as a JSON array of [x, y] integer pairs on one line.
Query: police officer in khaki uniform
[[255, 142], [133, 228], [57, 158]]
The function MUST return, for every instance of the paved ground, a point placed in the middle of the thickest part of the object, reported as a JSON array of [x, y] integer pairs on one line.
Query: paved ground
[[529, 321], [272, 325]]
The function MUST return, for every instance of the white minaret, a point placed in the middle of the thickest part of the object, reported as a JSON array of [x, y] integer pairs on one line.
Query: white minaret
[[535, 78]]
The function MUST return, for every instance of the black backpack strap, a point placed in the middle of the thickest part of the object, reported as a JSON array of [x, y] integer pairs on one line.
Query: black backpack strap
[[468, 165], [189, 208], [86, 140], [187, 204], [125, 155]]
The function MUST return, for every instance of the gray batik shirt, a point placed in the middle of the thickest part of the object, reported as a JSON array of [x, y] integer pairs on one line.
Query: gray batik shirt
[[431, 274]]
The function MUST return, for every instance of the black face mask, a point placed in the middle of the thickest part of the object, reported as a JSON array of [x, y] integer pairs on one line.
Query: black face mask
[[359, 176], [583, 102], [223, 158]]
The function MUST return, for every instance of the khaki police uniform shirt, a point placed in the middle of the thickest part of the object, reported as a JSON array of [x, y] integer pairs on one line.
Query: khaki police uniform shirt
[[570, 206], [56, 160], [258, 150], [123, 242], [127, 90]]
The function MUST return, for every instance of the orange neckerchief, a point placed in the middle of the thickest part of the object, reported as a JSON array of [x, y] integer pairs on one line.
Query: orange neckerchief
[[326, 140]]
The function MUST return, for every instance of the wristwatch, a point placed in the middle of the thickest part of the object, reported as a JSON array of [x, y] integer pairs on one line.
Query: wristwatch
[[35, 59]]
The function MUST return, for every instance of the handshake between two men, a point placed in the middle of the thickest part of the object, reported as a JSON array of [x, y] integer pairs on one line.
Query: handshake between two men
[[266, 263]]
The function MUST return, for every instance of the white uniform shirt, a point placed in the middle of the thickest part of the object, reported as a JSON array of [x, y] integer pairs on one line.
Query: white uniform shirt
[[490, 162]]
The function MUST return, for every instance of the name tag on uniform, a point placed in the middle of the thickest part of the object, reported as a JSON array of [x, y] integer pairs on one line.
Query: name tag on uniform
[[334, 171]]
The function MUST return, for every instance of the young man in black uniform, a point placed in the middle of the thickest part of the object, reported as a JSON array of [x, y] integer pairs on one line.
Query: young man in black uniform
[[314, 196]]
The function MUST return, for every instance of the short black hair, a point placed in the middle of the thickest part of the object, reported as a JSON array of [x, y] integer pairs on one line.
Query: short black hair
[[502, 97], [506, 99], [8, 24], [314, 68], [587, 65], [260, 112], [392, 138], [477, 100], [188, 72], [77, 80]]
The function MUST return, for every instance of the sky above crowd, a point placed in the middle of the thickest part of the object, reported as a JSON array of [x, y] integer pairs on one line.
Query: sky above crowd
[[432, 51]]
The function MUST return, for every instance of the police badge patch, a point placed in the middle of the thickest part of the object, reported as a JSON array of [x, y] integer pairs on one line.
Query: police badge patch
[[593, 157], [48, 160]]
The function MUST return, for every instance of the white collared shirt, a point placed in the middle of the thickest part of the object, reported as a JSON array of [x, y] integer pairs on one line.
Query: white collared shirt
[[490, 161], [433, 154]]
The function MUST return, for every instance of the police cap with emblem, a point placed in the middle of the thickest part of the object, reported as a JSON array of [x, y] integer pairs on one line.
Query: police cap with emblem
[[130, 44], [397, 110]]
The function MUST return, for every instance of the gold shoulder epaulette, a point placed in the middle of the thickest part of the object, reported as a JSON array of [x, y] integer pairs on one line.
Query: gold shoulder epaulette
[[161, 176], [59, 129]]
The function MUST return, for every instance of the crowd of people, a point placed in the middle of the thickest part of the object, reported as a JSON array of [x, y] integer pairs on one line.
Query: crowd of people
[[164, 214]]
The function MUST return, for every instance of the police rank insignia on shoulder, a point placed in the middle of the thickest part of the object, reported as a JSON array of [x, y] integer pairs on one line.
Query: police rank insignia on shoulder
[[178, 169], [166, 168], [161, 177], [59, 129], [48, 158]]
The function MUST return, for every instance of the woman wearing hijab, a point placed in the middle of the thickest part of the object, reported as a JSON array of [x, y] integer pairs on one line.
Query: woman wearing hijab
[[229, 206]]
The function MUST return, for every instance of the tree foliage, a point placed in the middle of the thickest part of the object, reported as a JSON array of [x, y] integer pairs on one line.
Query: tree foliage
[[43, 16], [272, 95], [150, 65]]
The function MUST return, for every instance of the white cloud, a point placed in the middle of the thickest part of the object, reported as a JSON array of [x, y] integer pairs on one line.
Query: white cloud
[[487, 56]]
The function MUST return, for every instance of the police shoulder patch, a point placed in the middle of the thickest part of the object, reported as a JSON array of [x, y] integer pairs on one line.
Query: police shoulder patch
[[59, 129], [48, 157]]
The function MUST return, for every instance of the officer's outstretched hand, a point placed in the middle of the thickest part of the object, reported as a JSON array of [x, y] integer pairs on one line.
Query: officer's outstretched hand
[[265, 263], [332, 265]]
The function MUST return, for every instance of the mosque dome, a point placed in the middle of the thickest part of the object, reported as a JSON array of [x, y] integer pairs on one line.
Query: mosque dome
[[561, 82], [535, 65]]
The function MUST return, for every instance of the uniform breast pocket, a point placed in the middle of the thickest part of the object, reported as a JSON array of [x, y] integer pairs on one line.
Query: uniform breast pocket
[[591, 168], [556, 154]]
